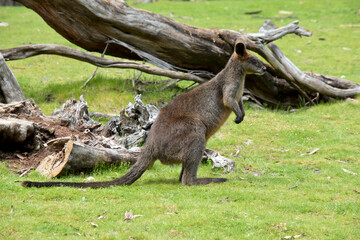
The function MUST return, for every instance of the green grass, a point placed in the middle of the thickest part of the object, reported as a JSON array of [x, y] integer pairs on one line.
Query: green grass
[[325, 204]]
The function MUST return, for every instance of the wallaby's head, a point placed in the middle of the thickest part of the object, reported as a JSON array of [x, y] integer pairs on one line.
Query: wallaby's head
[[249, 63]]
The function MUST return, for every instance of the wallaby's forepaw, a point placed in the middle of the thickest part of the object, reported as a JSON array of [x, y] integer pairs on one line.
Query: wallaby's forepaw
[[238, 120]]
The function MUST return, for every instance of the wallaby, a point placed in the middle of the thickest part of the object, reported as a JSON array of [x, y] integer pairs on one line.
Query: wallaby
[[182, 128]]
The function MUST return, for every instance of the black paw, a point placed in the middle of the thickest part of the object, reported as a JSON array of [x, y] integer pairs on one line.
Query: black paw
[[238, 120]]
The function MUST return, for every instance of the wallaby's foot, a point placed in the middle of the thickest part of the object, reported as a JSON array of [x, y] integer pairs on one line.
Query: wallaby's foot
[[204, 181]]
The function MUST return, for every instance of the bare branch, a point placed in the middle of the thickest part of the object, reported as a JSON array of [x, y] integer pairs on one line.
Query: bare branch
[[93, 75], [37, 49], [274, 34], [309, 81]]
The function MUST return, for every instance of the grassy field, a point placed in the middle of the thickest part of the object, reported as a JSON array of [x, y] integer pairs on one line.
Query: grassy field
[[278, 190]]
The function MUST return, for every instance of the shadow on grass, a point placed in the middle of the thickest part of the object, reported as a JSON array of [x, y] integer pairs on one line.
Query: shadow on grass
[[162, 182]]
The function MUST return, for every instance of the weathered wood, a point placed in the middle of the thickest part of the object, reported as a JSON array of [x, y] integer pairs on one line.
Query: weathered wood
[[10, 90], [308, 81], [219, 161], [15, 131], [76, 157], [27, 107], [65, 51], [9, 3], [75, 114]]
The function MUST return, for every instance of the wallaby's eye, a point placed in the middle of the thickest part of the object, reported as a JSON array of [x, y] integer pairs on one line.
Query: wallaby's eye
[[254, 61]]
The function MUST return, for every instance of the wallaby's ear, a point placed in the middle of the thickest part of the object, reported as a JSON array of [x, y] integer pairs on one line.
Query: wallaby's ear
[[240, 48]]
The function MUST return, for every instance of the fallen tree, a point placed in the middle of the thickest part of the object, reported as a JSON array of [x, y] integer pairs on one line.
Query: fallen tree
[[180, 51]]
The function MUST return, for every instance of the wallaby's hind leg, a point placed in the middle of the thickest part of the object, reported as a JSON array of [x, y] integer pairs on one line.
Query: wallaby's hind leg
[[190, 167]]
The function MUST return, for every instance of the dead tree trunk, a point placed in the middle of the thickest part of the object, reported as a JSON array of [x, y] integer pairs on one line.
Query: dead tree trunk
[[10, 90], [140, 35]]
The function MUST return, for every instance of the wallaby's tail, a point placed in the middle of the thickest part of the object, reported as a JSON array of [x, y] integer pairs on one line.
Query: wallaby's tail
[[131, 176]]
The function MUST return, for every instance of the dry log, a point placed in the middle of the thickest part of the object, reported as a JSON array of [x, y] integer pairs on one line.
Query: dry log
[[10, 90], [15, 131], [26, 107], [76, 157]]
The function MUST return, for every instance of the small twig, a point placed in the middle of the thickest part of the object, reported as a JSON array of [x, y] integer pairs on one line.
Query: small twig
[[313, 100], [293, 187], [155, 82], [176, 16], [276, 17], [253, 12], [168, 85], [134, 82], [93, 75], [27, 170]]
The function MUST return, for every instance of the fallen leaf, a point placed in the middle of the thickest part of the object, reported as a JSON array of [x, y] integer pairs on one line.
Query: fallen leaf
[[171, 213], [310, 153], [285, 12], [226, 199], [314, 151], [94, 225], [348, 171], [247, 167], [256, 174], [281, 226], [293, 237], [3, 24], [176, 232], [89, 179], [248, 142], [129, 216]]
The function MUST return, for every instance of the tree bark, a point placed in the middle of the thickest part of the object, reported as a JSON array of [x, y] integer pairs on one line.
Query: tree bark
[[140, 35], [10, 90], [76, 157]]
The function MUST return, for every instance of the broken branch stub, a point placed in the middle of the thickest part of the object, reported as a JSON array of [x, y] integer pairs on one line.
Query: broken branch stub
[[10, 90], [75, 114]]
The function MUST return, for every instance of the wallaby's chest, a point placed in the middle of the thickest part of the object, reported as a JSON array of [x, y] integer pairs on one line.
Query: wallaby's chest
[[240, 91]]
